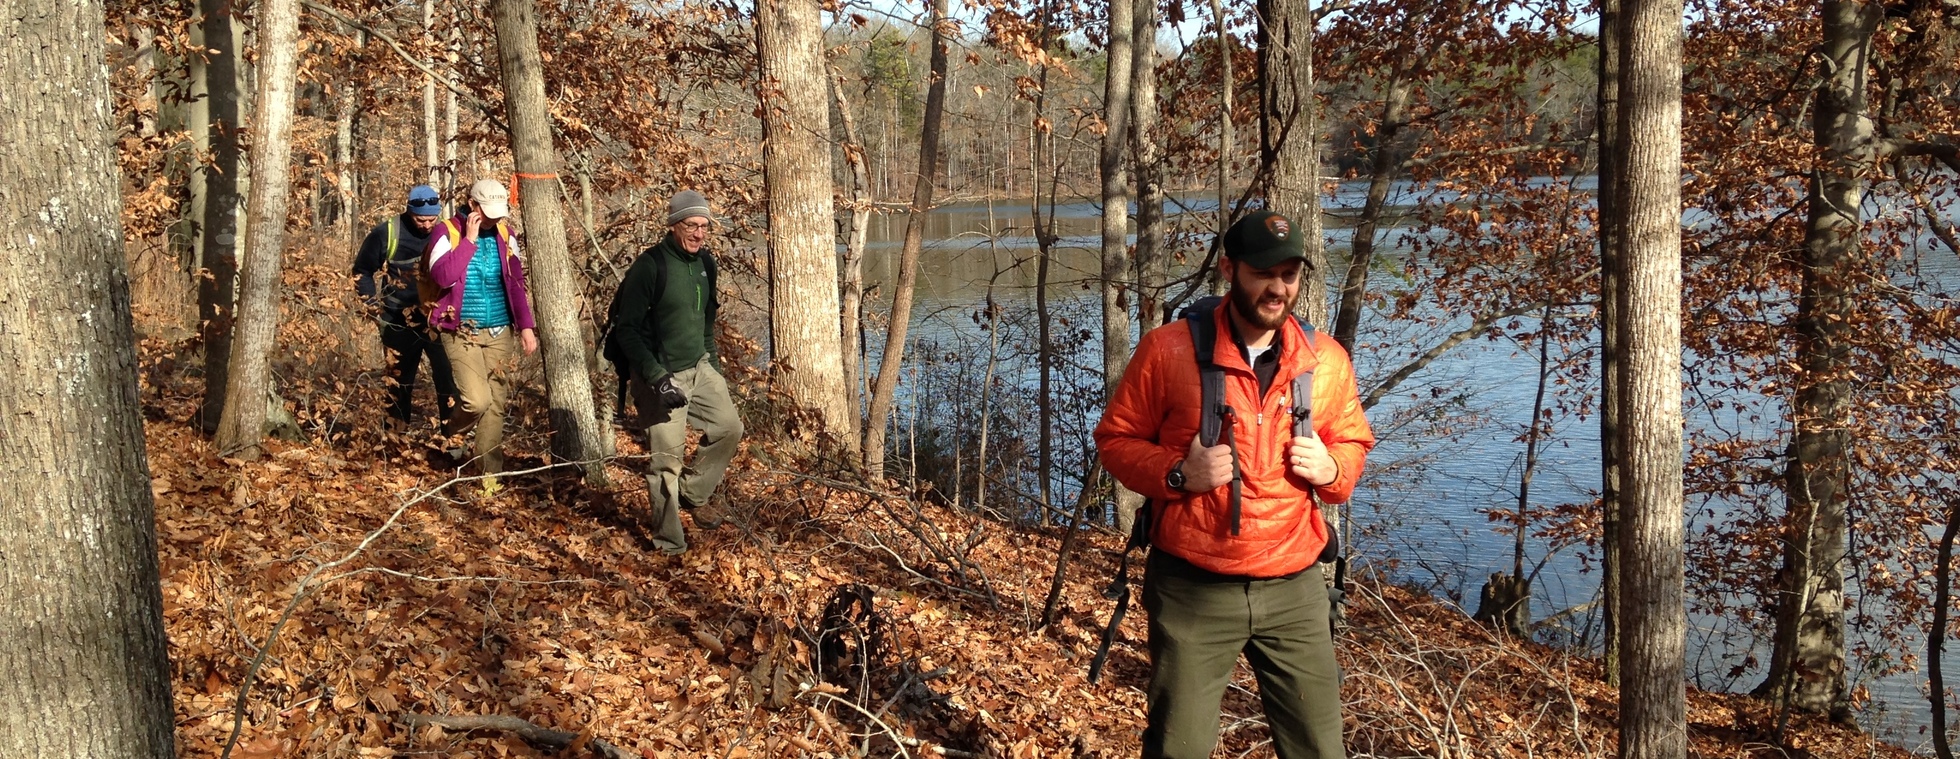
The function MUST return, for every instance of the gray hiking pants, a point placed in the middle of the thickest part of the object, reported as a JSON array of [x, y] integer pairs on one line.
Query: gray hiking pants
[[710, 409]]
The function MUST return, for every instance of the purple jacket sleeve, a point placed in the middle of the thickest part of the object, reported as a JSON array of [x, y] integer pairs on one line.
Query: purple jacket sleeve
[[449, 266], [516, 289]]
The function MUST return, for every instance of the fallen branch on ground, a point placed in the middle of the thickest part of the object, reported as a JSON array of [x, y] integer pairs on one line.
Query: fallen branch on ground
[[543, 736]]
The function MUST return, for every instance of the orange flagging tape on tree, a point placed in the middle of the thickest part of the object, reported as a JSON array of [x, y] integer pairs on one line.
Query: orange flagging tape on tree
[[514, 184]]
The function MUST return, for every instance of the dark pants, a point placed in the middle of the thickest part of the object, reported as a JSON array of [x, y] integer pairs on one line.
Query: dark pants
[[407, 346], [1200, 623]]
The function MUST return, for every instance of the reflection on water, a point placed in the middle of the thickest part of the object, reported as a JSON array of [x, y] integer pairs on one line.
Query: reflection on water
[[1427, 513]]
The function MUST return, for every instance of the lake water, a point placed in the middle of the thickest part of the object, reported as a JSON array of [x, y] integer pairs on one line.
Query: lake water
[[1423, 503]]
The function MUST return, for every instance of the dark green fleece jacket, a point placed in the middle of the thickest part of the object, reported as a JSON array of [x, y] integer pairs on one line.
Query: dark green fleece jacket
[[669, 330]]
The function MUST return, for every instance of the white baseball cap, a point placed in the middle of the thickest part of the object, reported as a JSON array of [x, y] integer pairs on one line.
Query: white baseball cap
[[491, 198]]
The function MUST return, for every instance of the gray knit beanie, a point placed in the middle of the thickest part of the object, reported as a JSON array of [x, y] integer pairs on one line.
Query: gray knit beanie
[[687, 204]]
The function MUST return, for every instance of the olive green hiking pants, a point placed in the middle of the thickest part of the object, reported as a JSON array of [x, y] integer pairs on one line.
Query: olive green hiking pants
[[1200, 623], [710, 410]]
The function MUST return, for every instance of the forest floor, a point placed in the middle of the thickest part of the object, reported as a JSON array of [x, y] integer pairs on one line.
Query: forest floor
[[407, 592]]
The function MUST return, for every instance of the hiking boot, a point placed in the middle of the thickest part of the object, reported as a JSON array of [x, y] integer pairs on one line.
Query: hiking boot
[[705, 517]]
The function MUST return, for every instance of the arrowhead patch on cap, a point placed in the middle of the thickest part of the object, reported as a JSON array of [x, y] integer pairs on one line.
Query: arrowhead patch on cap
[[1278, 226]]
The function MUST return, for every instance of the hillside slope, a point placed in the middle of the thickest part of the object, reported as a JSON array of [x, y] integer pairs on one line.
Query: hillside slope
[[546, 603]]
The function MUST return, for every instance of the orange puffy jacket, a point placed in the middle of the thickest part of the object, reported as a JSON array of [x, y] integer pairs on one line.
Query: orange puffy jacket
[[1154, 413]]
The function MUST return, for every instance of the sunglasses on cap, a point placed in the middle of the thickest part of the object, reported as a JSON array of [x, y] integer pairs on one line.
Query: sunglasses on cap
[[425, 203]]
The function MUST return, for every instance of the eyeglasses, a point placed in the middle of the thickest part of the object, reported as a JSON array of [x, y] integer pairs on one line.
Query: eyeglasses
[[695, 226], [425, 203]]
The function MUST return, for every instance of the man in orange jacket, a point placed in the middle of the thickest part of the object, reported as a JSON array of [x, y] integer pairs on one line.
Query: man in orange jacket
[[1233, 569]]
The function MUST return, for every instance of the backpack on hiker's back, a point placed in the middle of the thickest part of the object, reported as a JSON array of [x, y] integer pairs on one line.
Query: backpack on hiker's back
[[1214, 427]]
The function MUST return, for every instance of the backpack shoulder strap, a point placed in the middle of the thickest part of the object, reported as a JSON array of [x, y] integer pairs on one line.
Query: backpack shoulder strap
[[1211, 377], [394, 236], [1302, 427], [1303, 389], [1214, 415], [659, 273]]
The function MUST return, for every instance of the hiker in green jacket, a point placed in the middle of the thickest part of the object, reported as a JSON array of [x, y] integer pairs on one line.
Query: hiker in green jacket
[[665, 336]]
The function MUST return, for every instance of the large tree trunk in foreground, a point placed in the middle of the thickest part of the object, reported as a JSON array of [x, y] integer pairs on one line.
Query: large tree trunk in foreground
[[576, 434], [1806, 668], [1287, 141], [217, 271], [1653, 690], [82, 650], [250, 382], [1612, 308], [886, 384], [803, 338]]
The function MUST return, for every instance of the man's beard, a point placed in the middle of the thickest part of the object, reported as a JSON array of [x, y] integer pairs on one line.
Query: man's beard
[[1249, 309]]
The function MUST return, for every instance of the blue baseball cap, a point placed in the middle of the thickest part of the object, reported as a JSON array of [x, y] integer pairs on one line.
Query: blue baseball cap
[[423, 200]]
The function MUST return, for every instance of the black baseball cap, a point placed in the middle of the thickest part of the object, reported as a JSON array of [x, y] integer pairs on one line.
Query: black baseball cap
[[1263, 240]]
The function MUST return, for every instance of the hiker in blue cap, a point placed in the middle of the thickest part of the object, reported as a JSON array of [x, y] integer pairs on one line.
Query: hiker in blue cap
[[385, 277]]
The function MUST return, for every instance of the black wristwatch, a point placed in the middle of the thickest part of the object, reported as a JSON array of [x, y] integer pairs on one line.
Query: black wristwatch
[[1175, 479]]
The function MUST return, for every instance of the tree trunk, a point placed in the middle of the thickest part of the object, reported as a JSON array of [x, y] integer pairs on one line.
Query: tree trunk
[[1612, 307], [1287, 141], [344, 151], [250, 382], [1361, 250], [1116, 192], [217, 272], [1041, 151], [803, 339], [850, 321], [83, 662], [1653, 690], [446, 179], [885, 385], [186, 237], [1806, 669], [1936, 637], [430, 139], [1152, 259], [1227, 143], [1116, 267], [556, 296]]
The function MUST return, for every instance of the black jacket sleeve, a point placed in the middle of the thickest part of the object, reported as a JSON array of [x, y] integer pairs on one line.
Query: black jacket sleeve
[[372, 256], [631, 329]]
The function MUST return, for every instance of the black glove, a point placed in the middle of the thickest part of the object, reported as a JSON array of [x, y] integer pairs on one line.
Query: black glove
[[670, 397]]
